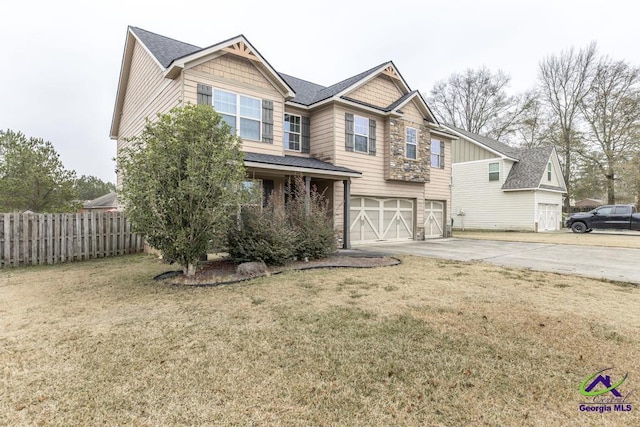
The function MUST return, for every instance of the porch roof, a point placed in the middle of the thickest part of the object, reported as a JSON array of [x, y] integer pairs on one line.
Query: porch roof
[[304, 165]]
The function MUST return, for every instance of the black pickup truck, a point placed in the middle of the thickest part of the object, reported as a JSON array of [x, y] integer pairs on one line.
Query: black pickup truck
[[616, 217]]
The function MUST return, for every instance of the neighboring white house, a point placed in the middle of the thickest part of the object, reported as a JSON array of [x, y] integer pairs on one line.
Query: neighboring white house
[[498, 187]]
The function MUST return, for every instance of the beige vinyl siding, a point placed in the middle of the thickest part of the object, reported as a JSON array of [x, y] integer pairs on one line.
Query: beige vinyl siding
[[412, 114], [298, 112], [235, 70], [439, 185], [147, 93], [322, 134], [380, 91], [484, 204], [372, 182], [239, 76], [465, 151]]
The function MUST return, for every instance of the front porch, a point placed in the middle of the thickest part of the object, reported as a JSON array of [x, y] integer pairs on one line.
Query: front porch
[[274, 173]]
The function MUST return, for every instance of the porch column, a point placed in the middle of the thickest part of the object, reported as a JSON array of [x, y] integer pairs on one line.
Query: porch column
[[346, 241], [307, 194]]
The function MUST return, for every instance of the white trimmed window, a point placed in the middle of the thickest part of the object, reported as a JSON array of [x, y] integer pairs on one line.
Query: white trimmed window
[[292, 132], [549, 171], [494, 171], [411, 139], [361, 134], [242, 113], [437, 154]]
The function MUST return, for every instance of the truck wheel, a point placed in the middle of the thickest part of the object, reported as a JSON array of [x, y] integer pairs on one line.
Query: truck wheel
[[578, 227]]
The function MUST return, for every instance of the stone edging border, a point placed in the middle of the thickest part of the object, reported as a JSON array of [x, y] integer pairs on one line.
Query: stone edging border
[[168, 274]]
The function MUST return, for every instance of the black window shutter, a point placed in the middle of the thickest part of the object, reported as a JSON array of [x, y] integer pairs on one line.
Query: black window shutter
[[204, 94], [348, 132], [442, 154], [305, 135], [372, 137], [267, 121]]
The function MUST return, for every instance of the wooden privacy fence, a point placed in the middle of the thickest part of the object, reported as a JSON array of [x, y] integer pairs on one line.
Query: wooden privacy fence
[[29, 239]]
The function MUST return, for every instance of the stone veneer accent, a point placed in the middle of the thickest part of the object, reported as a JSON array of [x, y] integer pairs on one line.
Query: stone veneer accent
[[401, 168]]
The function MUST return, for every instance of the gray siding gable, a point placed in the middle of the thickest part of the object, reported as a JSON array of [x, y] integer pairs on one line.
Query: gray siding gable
[[490, 143]]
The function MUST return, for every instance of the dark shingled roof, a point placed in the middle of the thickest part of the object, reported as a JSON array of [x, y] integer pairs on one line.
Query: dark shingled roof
[[488, 142], [295, 161], [395, 104], [164, 48], [530, 165], [308, 93], [340, 86], [528, 172], [305, 91]]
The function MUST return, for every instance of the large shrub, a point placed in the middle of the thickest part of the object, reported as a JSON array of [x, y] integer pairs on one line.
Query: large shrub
[[301, 228], [310, 216], [261, 235], [182, 177]]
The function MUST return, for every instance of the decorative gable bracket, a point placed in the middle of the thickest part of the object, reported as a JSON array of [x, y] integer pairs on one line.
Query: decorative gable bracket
[[241, 49], [391, 72]]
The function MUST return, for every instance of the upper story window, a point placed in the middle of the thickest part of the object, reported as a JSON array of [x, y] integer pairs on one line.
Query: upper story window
[[411, 139], [361, 134], [549, 171], [242, 113], [292, 132], [437, 153], [494, 171]]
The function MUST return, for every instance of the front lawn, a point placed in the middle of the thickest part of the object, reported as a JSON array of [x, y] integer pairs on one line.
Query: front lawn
[[430, 342]]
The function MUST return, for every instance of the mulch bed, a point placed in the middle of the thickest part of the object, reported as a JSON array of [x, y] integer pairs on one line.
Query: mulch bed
[[223, 271]]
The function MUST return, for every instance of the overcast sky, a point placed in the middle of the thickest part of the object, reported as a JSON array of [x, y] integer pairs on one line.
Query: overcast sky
[[61, 59]]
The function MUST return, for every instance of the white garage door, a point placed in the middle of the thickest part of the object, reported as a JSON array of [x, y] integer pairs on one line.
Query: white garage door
[[548, 217], [381, 219], [433, 219]]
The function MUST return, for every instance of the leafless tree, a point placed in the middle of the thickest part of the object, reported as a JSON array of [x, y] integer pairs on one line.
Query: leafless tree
[[534, 127], [477, 101], [611, 110], [564, 81]]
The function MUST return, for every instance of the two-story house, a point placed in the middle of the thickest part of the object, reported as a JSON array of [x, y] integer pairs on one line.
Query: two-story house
[[369, 142], [499, 187]]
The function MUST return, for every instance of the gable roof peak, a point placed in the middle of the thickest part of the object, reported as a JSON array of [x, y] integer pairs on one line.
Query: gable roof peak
[[164, 49]]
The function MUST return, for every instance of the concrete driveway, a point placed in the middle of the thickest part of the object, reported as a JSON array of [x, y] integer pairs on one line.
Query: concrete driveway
[[619, 264]]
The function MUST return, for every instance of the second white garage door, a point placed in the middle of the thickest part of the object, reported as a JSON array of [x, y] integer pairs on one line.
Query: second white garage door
[[381, 219], [433, 219], [548, 217]]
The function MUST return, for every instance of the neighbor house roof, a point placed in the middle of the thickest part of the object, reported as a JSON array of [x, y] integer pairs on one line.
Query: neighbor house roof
[[528, 171], [490, 143], [588, 203], [529, 163], [103, 202]]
